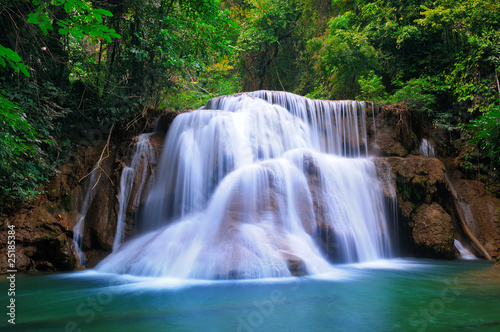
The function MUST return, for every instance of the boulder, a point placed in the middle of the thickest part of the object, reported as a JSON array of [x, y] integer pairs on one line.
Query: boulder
[[425, 203], [393, 133], [432, 231], [43, 243]]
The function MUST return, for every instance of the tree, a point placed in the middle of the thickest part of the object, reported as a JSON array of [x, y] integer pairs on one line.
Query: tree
[[266, 33]]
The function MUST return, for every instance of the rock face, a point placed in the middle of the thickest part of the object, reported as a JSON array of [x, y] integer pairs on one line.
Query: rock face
[[43, 243], [44, 233], [393, 133], [100, 219], [482, 213], [424, 201], [429, 214]]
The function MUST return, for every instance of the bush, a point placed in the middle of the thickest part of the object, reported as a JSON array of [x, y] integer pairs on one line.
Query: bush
[[371, 88], [23, 166], [416, 94], [487, 133]]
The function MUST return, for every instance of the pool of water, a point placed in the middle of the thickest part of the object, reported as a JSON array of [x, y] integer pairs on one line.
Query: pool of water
[[394, 295]]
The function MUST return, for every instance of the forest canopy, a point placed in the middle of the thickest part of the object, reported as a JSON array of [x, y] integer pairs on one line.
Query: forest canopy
[[68, 65]]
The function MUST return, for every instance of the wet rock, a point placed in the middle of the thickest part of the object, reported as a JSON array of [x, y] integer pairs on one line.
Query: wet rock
[[418, 179], [395, 131], [44, 231], [100, 221], [420, 184], [433, 231], [164, 121], [296, 266], [40, 238], [482, 213]]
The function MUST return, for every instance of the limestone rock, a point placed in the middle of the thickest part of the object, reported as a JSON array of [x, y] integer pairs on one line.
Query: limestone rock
[[418, 179], [393, 134], [43, 243], [482, 213], [433, 230], [424, 203]]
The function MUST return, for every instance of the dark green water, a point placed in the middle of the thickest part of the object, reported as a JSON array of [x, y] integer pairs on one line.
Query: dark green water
[[402, 295]]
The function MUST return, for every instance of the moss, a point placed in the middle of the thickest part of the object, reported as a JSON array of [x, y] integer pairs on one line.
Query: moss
[[68, 203], [413, 191]]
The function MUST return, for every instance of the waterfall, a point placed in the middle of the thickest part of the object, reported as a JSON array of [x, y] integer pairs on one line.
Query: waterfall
[[135, 178], [427, 149], [79, 228], [466, 218], [464, 252], [261, 184]]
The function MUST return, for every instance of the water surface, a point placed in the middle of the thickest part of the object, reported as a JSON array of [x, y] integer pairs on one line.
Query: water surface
[[392, 295]]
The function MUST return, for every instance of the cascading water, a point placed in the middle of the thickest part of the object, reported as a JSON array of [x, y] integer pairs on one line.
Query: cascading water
[[464, 252], [262, 184], [427, 149], [135, 178], [79, 228]]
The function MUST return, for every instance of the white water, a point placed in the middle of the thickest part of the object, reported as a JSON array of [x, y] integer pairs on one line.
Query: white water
[[250, 185], [79, 228], [135, 176], [427, 149], [464, 252]]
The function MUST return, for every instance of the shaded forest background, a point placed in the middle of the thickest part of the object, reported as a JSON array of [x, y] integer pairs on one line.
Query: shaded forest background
[[70, 66]]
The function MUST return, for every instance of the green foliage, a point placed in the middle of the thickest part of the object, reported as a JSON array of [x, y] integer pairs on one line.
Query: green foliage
[[82, 20], [218, 79], [23, 167], [372, 88], [443, 121], [487, 132], [165, 45], [342, 58], [414, 93], [8, 56], [471, 31], [264, 44]]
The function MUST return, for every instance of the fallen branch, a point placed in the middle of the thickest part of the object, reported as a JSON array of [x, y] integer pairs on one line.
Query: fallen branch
[[99, 162]]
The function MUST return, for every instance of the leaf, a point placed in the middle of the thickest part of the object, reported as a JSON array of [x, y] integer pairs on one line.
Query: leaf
[[2, 62], [13, 65], [68, 6], [11, 55], [24, 70], [103, 12], [63, 31], [44, 29], [77, 34], [34, 18]]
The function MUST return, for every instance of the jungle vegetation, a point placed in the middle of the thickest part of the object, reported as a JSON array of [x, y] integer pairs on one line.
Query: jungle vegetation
[[70, 65]]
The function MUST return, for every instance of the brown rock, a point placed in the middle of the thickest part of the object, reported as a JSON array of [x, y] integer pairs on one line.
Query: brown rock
[[418, 179], [433, 230], [40, 238], [482, 213], [392, 134], [425, 203]]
